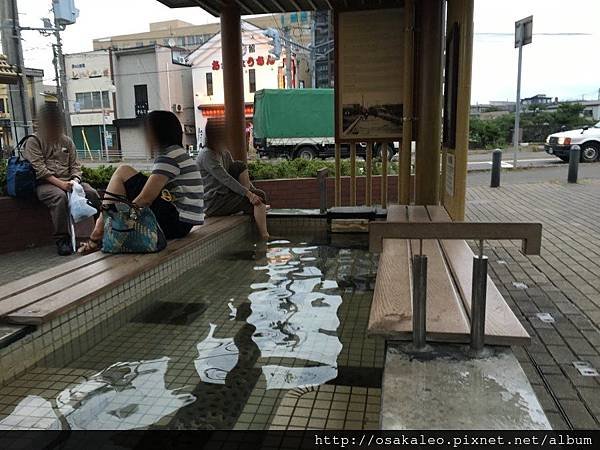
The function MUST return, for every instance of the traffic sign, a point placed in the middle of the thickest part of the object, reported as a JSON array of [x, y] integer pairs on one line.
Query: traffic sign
[[524, 31]]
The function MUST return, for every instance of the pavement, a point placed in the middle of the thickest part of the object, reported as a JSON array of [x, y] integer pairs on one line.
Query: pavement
[[563, 282], [556, 295]]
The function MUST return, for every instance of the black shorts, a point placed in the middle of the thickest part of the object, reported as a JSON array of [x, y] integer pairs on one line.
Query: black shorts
[[165, 212]]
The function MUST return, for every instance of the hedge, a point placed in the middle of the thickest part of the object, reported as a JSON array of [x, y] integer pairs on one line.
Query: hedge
[[99, 177]]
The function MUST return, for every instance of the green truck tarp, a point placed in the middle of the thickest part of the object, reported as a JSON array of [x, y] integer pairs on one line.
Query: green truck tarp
[[293, 113]]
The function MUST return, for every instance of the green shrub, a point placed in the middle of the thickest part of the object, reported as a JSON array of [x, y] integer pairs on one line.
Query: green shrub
[[98, 177], [302, 168]]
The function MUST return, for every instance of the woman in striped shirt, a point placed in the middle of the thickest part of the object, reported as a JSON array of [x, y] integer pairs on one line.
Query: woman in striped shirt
[[174, 190]]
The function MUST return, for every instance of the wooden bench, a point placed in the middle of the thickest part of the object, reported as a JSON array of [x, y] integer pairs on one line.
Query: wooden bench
[[39, 298], [449, 280]]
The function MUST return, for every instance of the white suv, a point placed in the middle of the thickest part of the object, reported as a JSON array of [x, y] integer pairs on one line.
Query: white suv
[[588, 138]]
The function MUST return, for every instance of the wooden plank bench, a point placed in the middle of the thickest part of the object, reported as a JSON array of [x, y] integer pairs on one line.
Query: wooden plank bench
[[43, 296], [449, 281]]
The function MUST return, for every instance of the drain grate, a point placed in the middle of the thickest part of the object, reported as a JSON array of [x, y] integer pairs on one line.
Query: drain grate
[[545, 317], [585, 368]]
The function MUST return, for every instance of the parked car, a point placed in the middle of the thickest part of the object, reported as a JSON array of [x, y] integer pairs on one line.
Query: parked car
[[588, 138]]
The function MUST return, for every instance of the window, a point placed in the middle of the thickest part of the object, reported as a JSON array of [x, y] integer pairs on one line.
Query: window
[[139, 44], [91, 100], [252, 80], [209, 85], [2, 106]]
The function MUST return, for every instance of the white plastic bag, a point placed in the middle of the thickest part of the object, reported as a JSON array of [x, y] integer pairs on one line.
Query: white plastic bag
[[78, 205]]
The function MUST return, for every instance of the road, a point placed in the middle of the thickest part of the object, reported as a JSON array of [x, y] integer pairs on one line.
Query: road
[[483, 161], [554, 173]]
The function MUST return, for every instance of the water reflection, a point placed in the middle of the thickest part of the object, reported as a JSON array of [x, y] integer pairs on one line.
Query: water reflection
[[294, 318], [32, 413], [216, 357], [279, 377], [123, 396]]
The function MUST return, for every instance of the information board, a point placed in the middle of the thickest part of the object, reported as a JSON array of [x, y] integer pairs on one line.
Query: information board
[[369, 83]]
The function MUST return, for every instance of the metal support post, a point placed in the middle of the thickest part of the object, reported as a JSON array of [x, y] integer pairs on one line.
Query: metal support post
[[496, 166], [419, 266], [574, 157], [478, 300]]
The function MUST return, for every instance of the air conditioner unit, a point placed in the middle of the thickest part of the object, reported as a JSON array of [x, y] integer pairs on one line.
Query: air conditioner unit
[[177, 108]]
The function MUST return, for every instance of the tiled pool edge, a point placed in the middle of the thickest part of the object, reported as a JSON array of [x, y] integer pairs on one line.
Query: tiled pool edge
[[111, 309]]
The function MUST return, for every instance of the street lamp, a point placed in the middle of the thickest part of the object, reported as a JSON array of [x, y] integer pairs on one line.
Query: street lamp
[[111, 89]]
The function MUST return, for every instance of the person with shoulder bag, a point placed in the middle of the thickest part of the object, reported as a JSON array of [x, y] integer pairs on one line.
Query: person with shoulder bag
[[53, 157], [140, 212]]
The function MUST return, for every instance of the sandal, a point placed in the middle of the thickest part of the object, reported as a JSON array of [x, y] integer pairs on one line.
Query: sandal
[[91, 246]]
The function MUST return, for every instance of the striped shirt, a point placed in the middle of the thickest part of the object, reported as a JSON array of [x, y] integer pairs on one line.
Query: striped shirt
[[184, 188]]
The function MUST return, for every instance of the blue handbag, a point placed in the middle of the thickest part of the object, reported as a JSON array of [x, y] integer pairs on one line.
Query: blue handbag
[[130, 229], [20, 175]]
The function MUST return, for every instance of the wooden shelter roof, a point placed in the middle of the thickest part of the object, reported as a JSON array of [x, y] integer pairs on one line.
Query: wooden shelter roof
[[281, 6]]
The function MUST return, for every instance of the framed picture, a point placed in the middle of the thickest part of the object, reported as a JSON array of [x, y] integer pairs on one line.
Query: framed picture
[[368, 82]]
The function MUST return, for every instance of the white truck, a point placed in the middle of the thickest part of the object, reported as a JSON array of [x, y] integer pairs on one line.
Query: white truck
[[588, 138]]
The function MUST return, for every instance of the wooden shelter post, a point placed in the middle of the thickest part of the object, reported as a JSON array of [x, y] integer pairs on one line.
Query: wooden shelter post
[[430, 31], [233, 79]]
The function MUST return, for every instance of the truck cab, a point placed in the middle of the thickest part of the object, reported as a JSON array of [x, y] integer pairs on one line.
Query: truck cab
[[588, 138]]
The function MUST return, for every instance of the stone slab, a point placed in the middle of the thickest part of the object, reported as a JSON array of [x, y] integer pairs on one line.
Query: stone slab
[[446, 389]]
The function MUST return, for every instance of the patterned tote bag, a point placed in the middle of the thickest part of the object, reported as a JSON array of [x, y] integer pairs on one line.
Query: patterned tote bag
[[130, 229]]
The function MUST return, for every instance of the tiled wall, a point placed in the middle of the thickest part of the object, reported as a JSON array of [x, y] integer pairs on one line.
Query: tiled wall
[[80, 329]]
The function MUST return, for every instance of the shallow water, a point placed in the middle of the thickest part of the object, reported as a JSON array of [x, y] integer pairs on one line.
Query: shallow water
[[224, 346]]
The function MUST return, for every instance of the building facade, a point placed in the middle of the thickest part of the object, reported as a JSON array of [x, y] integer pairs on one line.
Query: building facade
[[37, 95], [178, 33], [324, 65], [262, 70], [146, 79], [91, 103]]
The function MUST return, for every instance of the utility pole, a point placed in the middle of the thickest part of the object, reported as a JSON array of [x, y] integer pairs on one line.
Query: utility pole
[[523, 36], [12, 48], [61, 81], [288, 59]]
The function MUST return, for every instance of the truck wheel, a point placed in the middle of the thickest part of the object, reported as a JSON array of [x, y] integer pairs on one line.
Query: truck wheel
[[590, 152], [307, 153], [390, 151]]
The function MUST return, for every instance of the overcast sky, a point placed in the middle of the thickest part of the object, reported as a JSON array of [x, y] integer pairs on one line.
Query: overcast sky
[[558, 65]]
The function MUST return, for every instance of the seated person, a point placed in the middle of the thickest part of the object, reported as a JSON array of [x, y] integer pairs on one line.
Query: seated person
[[228, 190], [174, 190], [54, 159]]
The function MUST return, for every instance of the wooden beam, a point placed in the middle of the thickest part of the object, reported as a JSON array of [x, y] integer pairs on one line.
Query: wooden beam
[[529, 233], [384, 174], [405, 157], [260, 5], [369, 175], [353, 174], [338, 175], [204, 5], [244, 7]]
